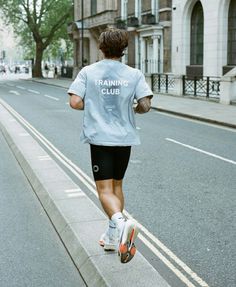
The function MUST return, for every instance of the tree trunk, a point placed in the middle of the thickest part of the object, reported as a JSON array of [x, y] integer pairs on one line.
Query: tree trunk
[[37, 68]]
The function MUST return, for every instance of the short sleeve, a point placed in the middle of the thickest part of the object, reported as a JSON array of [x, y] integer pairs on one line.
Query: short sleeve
[[142, 88], [78, 87]]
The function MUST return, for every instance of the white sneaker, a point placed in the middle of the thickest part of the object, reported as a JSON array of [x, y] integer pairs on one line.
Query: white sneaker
[[126, 248], [109, 243]]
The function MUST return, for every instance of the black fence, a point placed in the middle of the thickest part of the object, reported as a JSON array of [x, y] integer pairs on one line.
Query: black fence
[[162, 83], [203, 87], [208, 87]]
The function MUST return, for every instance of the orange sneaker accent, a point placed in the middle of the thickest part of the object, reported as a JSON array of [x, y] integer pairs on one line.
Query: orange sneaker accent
[[132, 235], [123, 248], [132, 251]]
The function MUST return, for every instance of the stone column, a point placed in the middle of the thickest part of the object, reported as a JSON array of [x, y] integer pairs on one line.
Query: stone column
[[142, 55], [124, 9], [228, 87], [162, 55], [178, 88], [155, 53], [226, 90], [137, 52], [136, 9]]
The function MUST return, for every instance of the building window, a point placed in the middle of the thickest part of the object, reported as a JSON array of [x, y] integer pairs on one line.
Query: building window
[[232, 34], [197, 35], [93, 7]]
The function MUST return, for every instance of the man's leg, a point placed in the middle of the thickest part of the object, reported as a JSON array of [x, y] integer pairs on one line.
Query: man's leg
[[117, 190], [111, 162], [102, 159], [112, 202]]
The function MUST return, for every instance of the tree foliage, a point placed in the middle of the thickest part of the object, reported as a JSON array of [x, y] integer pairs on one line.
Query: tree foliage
[[44, 21]]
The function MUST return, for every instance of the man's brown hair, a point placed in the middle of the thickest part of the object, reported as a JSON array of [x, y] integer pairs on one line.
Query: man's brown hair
[[112, 42]]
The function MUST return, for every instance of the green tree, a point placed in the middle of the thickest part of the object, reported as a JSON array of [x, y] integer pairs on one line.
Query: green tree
[[42, 20], [60, 50]]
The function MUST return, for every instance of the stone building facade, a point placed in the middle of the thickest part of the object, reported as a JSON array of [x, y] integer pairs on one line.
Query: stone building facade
[[97, 16], [149, 26], [203, 36], [147, 21], [195, 38], [204, 41]]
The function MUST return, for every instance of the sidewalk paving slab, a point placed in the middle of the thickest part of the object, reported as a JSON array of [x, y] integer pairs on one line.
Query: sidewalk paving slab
[[78, 221]]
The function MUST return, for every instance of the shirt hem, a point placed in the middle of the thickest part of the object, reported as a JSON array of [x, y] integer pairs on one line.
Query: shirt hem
[[110, 143]]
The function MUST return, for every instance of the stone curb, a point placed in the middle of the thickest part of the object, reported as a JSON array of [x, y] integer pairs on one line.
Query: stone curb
[[77, 220]]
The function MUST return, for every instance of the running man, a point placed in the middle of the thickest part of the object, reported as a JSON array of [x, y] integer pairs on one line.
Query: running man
[[106, 91]]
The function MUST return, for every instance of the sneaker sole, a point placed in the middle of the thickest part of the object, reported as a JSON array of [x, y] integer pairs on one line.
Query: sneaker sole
[[127, 248], [107, 247]]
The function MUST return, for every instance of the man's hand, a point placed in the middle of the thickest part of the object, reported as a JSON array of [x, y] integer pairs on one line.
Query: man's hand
[[76, 102], [144, 105]]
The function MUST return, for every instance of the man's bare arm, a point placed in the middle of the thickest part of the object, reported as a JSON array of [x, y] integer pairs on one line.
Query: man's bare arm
[[76, 102]]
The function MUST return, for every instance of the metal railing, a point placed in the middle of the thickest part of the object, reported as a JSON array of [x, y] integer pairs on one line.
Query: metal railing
[[208, 87], [202, 87], [162, 83]]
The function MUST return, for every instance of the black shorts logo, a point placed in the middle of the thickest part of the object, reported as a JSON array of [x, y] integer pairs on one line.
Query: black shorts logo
[[95, 168]]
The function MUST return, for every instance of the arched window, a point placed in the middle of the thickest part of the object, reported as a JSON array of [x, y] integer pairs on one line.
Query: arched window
[[197, 35], [232, 34]]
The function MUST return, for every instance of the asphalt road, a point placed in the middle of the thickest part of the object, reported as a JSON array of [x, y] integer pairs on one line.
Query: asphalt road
[[180, 183]]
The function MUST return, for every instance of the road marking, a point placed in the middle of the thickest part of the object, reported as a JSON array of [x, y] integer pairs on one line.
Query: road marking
[[44, 157], [67, 103], [14, 92], [73, 190], [52, 98], [89, 183], [23, 134], [20, 87], [33, 91], [202, 151], [76, 195]]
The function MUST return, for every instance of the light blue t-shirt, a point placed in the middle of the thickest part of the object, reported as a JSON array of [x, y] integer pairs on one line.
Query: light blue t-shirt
[[108, 88]]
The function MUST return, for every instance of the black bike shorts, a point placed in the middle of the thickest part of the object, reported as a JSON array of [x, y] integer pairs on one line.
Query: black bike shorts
[[109, 162]]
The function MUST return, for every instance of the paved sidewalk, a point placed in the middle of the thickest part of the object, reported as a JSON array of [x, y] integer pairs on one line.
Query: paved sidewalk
[[189, 107]]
